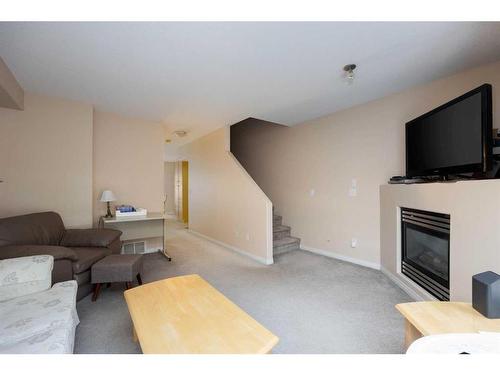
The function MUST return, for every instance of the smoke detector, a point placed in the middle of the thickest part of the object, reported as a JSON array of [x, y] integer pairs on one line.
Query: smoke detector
[[349, 73], [180, 133]]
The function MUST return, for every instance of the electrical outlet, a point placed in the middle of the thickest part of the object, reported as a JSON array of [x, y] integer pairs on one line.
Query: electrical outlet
[[312, 193], [248, 236], [354, 242]]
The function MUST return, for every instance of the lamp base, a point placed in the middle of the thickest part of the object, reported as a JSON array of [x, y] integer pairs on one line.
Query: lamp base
[[108, 214]]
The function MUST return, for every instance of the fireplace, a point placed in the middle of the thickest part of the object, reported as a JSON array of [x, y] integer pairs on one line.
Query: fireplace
[[425, 250]]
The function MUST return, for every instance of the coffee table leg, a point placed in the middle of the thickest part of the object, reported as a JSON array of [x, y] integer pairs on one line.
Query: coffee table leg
[[96, 292], [139, 280], [411, 334], [134, 334]]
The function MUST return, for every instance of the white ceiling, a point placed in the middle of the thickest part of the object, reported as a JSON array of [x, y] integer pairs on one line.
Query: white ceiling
[[201, 76]]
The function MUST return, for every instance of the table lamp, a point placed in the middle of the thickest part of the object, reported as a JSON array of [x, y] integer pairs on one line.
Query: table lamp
[[108, 196]]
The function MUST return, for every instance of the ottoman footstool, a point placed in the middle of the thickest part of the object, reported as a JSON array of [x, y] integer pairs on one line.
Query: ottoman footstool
[[116, 268]]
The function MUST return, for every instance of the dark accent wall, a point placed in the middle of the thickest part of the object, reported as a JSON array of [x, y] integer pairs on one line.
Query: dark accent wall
[[249, 137]]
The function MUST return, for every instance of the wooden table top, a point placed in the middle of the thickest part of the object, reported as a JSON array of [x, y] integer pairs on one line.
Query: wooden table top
[[186, 314], [434, 317]]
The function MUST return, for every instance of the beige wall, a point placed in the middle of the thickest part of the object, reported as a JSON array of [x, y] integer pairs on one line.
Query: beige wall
[[365, 143], [225, 204], [59, 155], [128, 159], [474, 209], [169, 176], [46, 159]]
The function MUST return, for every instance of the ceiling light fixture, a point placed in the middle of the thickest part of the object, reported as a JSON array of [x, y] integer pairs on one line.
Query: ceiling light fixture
[[180, 133], [349, 73]]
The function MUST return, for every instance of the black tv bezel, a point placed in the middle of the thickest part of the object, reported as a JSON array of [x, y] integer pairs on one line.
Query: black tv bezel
[[486, 136]]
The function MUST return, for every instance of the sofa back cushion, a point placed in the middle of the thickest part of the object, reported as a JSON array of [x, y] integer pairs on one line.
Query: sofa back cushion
[[44, 228]]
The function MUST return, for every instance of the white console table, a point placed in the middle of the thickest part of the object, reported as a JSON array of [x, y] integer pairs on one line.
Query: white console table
[[138, 227]]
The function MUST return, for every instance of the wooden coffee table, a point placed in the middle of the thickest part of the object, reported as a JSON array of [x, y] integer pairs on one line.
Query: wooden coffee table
[[434, 318], [186, 314]]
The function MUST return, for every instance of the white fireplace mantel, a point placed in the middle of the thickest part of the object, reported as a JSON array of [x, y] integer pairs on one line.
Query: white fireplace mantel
[[474, 207]]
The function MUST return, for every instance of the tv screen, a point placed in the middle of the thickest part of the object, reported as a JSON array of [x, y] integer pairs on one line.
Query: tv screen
[[453, 138]]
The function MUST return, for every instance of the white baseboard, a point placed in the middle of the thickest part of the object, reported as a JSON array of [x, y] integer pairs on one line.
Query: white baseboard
[[233, 248], [414, 291], [329, 254]]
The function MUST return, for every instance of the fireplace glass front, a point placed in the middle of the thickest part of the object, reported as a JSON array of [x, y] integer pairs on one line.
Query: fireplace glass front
[[426, 250]]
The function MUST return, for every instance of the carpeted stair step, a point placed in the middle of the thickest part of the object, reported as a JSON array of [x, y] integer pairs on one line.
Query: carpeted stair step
[[277, 220], [280, 232], [285, 244]]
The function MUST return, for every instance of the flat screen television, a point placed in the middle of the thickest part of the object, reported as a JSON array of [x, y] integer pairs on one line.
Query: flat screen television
[[455, 138]]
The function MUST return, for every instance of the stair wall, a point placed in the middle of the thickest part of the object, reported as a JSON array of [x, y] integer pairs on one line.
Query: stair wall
[[225, 203]]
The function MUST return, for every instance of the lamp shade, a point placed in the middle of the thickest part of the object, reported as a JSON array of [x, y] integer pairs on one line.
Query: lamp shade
[[107, 196]]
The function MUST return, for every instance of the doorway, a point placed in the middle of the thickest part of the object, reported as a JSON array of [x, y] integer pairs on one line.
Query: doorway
[[177, 190], [182, 191]]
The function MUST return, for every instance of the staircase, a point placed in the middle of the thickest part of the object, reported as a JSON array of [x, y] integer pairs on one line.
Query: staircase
[[282, 240]]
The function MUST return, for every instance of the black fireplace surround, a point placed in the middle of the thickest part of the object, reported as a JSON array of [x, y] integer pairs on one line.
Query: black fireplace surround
[[425, 250]]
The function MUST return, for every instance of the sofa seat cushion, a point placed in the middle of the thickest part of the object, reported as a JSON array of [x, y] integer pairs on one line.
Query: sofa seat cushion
[[90, 237], [82, 277], [17, 251], [57, 341], [34, 318], [87, 256]]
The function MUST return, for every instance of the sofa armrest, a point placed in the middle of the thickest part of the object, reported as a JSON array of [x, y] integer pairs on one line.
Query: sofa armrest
[[90, 237], [16, 251], [26, 275]]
